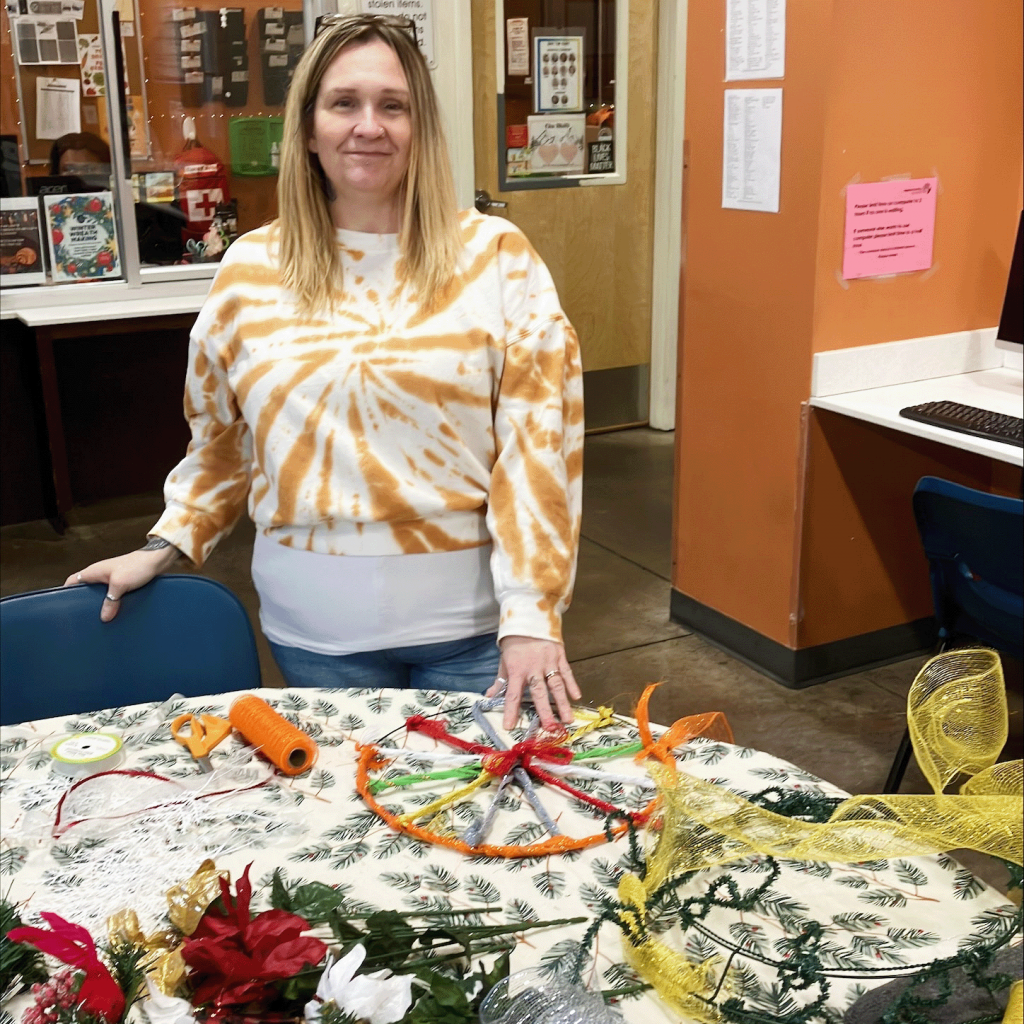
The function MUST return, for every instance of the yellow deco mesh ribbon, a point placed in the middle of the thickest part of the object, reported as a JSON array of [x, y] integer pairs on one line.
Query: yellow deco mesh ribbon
[[1015, 1006], [956, 712]]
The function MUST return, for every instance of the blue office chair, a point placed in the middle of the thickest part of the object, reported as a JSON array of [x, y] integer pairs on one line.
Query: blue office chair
[[975, 547], [179, 634]]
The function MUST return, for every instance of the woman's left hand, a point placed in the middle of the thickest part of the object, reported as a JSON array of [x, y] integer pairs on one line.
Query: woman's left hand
[[539, 667]]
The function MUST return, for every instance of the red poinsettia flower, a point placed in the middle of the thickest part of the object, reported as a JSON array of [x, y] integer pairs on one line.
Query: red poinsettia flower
[[235, 958], [71, 943]]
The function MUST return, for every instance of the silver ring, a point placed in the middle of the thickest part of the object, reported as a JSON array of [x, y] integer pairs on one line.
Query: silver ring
[[501, 679], [110, 597], [553, 672]]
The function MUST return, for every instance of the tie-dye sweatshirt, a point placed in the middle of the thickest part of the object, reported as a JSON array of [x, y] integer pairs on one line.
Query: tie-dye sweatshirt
[[391, 426]]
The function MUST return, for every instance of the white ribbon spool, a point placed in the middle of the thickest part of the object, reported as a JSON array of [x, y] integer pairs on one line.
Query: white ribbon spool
[[86, 753]]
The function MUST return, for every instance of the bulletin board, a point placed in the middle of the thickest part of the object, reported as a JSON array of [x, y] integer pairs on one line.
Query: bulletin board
[[20, 80]]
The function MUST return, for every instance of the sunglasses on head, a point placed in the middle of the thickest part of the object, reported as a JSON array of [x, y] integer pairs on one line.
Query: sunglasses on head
[[326, 21]]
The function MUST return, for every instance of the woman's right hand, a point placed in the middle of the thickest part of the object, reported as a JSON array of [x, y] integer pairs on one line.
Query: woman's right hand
[[123, 574]]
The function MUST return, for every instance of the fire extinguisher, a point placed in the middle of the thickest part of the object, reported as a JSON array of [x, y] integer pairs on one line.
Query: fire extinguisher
[[202, 184]]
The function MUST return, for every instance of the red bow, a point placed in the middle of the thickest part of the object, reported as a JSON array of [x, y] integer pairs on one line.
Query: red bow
[[501, 762], [98, 993]]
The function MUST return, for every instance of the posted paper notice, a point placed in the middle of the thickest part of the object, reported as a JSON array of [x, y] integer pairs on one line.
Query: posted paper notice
[[890, 227], [420, 12], [755, 39], [752, 149], [517, 32], [58, 107]]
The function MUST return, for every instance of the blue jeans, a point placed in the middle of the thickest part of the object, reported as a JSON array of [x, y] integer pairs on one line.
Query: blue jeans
[[470, 664]]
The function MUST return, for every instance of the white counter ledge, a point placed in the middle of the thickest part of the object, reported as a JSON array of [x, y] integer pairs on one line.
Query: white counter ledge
[[873, 382], [102, 300]]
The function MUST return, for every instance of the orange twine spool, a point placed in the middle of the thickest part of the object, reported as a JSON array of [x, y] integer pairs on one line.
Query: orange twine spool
[[280, 742]]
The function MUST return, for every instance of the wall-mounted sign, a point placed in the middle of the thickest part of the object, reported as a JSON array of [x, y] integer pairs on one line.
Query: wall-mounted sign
[[558, 73], [752, 150], [557, 144], [517, 32], [421, 12], [755, 39], [890, 227]]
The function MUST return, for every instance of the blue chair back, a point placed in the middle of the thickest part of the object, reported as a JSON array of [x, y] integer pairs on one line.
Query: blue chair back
[[179, 634], [975, 547]]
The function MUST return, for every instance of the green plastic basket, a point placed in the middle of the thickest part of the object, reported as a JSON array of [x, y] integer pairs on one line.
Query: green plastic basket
[[255, 142]]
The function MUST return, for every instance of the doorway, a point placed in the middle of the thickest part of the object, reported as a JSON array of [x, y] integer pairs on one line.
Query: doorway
[[596, 238]]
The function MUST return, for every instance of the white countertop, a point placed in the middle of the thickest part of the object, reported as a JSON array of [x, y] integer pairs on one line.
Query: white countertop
[[114, 300], [1000, 390]]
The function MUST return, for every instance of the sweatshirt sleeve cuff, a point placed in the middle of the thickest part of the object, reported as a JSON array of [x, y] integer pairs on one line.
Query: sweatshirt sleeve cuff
[[192, 533], [532, 615]]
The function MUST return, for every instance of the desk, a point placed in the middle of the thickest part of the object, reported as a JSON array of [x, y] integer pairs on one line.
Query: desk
[[880, 918], [107, 310], [999, 389]]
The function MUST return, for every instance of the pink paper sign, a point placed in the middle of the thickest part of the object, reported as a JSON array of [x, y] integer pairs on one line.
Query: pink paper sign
[[890, 227]]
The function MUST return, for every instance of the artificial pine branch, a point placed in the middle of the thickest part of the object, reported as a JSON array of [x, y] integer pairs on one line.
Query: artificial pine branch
[[21, 965]]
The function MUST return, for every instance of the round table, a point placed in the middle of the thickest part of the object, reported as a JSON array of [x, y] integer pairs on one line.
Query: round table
[[880, 918]]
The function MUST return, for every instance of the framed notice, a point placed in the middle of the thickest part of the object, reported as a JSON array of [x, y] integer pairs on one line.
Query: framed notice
[[558, 73], [82, 236], [557, 144], [21, 243]]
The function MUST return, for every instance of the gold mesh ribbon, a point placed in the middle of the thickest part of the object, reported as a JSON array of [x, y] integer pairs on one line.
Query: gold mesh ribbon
[[162, 962], [956, 712], [1015, 1006], [186, 904]]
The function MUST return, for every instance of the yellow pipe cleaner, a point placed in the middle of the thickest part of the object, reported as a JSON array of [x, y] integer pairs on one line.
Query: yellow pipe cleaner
[[604, 716], [446, 801]]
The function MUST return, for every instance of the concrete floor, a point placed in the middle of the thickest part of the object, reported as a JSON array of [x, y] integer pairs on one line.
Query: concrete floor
[[618, 633]]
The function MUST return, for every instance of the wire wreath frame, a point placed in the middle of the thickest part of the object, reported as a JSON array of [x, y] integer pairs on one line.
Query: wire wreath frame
[[801, 970], [494, 765]]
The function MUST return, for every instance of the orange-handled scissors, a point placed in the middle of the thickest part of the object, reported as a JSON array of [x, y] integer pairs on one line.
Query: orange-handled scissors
[[203, 733]]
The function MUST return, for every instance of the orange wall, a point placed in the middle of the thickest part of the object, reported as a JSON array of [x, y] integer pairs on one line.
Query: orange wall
[[923, 88], [765, 504], [745, 354]]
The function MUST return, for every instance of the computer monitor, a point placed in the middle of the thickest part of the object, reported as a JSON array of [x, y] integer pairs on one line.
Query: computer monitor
[[64, 184], [1011, 323]]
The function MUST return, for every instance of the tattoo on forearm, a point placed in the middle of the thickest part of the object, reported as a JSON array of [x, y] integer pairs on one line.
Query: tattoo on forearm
[[156, 544]]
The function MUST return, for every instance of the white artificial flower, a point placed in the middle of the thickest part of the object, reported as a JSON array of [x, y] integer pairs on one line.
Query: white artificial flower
[[161, 1009], [378, 998]]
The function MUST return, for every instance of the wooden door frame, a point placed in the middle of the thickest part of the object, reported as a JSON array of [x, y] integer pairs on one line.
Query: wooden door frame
[[453, 79], [455, 82], [668, 202]]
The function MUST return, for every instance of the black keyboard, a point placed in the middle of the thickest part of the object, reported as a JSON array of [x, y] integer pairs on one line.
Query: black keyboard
[[995, 426]]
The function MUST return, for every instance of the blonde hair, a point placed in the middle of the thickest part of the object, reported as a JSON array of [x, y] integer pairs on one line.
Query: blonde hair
[[429, 238]]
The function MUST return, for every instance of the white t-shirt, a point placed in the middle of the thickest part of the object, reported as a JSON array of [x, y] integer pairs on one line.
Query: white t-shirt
[[344, 604]]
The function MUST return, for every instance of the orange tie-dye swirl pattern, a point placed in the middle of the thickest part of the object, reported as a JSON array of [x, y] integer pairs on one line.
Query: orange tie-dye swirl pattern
[[398, 423]]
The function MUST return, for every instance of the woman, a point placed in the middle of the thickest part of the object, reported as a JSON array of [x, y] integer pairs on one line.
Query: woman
[[395, 390], [79, 152]]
